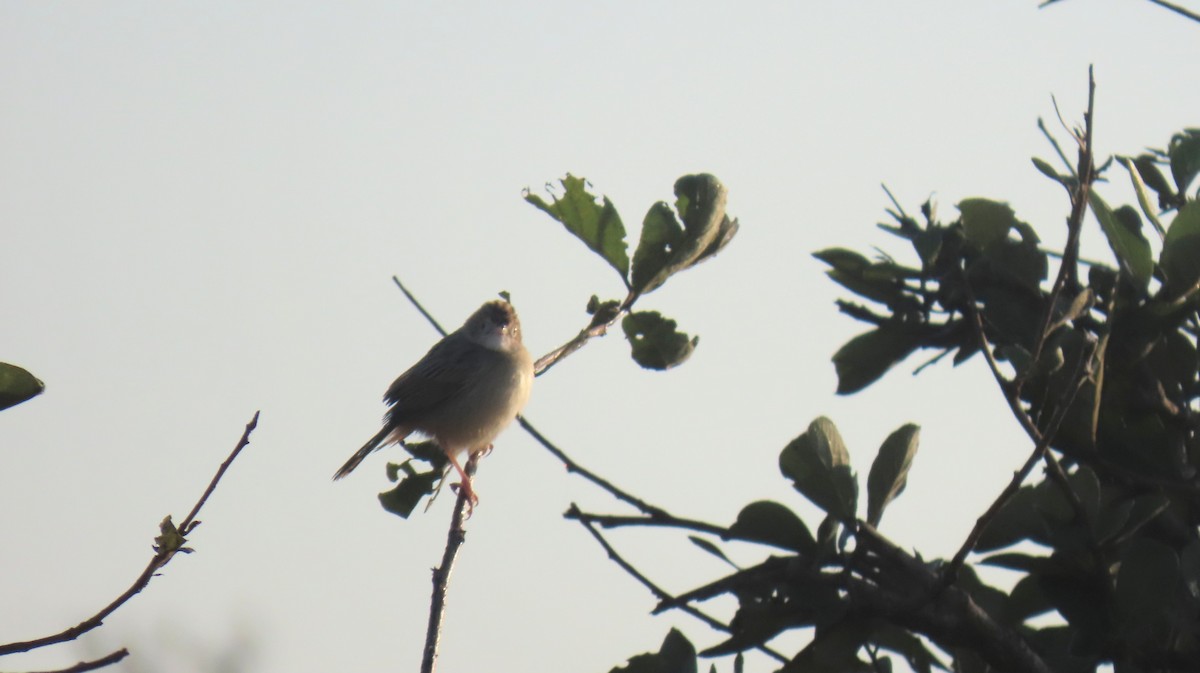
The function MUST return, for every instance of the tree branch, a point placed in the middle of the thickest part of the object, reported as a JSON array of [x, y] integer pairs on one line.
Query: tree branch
[[82, 666], [1177, 9], [658, 592], [1068, 269], [162, 556], [441, 574], [1041, 440]]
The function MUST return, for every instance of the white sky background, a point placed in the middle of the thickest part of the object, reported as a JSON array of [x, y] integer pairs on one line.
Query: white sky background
[[202, 205]]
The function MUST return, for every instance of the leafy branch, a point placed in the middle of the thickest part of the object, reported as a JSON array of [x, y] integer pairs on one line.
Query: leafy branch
[[666, 247]]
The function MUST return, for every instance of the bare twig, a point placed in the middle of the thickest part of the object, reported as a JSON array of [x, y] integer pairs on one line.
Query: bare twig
[[189, 524], [596, 479], [416, 304], [598, 327], [1177, 9], [1054, 143], [161, 558], [107, 660], [1068, 269], [1041, 439], [658, 592], [663, 521], [441, 574]]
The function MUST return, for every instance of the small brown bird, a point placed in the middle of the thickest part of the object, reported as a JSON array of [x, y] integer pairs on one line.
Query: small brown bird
[[463, 393]]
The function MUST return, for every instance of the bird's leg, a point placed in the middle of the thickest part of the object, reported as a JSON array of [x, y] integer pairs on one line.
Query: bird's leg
[[467, 490]]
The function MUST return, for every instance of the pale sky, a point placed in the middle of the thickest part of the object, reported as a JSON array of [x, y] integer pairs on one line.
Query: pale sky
[[203, 205]]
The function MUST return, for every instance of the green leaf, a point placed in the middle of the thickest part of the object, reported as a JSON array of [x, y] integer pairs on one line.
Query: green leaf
[[1143, 197], [1017, 520], [1147, 167], [711, 548], [1184, 151], [169, 539], [985, 222], [594, 221], [415, 485], [1147, 581], [17, 385], [834, 649], [1026, 600], [1189, 568], [772, 523], [654, 341], [662, 235], [878, 281], [403, 499], [1123, 229], [1047, 170], [677, 655], [1139, 510], [818, 464], [725, 233], [889, 471], [667, 247], [863, 359], [1180, 258], [919, 657]]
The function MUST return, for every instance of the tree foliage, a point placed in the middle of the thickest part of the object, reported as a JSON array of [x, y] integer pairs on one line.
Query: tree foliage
[[1097, 361]]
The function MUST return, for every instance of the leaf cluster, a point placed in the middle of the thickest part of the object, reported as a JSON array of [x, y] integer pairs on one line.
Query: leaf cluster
[[1103, 367], [1102, 370], [674, 237]]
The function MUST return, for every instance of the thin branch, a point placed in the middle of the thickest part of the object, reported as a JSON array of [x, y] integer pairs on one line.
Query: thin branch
[[658, 592], [1068, 269], [1041, 440], [413, 300], [1178, 10], [665, 521], [189, 524], [441, 574], [160, 559], [596, 479], [1054, 143], [599, 326], [107, 660]]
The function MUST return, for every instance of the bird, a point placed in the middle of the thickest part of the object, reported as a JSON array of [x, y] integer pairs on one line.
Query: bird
[[462, 394]]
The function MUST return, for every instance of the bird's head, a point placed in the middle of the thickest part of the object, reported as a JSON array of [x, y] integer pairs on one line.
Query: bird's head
[[495, 326]]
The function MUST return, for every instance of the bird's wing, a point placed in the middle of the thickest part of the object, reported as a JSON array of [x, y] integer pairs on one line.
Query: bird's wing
[[440, 376]]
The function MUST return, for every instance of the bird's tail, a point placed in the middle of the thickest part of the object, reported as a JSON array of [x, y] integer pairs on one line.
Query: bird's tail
[[373, 444]]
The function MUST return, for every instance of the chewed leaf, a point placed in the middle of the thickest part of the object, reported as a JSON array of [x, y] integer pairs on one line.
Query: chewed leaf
[[654, 341], [594, 220], [671, 243], [661, 237], [403, 499]]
